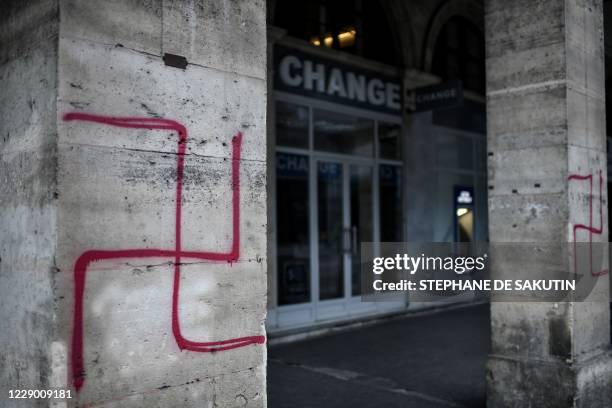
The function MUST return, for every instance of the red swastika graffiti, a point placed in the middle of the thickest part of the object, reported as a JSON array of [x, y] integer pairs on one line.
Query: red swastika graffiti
[[591, 230], [176, 254]]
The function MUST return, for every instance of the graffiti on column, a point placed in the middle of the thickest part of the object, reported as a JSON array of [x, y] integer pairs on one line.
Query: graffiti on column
[[590, 228], [176, 254]]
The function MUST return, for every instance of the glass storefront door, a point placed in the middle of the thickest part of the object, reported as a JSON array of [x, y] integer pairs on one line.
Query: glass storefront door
[[336, 173], [345, 219]]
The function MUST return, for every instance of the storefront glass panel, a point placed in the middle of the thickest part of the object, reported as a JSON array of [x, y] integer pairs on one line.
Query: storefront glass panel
[[389, 140], [291, 125], [331, 237], [390, 182], [338, 133], [362, 221], [292, 226]]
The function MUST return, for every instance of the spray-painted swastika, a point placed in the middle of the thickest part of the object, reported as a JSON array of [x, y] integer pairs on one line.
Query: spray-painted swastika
[[590, 229], [176, 254]]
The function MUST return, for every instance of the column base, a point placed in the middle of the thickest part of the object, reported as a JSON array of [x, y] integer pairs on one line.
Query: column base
[[548, 384]]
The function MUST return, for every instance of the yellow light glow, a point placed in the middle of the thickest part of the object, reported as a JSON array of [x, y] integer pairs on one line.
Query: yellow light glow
[[347, 38], [328, 40], [315, 41], [461, 211]]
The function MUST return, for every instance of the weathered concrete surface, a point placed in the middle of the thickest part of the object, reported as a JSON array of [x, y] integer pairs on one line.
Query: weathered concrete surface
[[28, 136], [115, 189], [546, 122]]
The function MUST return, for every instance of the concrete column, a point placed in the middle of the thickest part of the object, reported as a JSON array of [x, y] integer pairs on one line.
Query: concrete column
[[28, 205], [546, 122], [135, 200]]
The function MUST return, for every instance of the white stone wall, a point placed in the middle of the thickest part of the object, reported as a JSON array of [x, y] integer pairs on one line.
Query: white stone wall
[[117, 191]]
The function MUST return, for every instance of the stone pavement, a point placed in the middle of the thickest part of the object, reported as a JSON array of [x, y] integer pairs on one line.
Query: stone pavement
[[428, 361]]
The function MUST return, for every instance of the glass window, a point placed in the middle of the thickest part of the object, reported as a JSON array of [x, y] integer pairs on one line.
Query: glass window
[[293, 240], [459, 53], [391, 222], [331, 260], [389, 140], [338, 133], [291, 125], [362, 226], [354, 26]]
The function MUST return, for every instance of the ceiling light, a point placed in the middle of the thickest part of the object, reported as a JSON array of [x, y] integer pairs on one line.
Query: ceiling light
[[347, 38], [462, 211], [328, 40]]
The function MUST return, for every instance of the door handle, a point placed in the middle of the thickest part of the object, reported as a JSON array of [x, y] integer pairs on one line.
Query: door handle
[[346, 241]]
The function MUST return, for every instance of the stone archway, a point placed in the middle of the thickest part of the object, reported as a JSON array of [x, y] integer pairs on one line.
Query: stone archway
[[469, 9]]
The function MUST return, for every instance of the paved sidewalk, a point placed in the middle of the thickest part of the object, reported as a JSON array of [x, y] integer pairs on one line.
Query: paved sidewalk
[[430, 361]]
